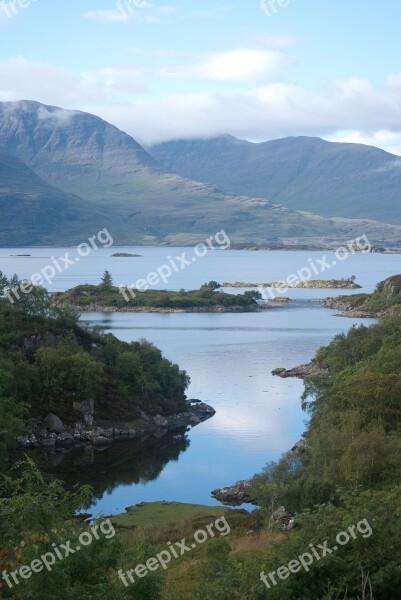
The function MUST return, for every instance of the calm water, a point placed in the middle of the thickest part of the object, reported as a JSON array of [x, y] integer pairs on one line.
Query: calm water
[[229, 358]]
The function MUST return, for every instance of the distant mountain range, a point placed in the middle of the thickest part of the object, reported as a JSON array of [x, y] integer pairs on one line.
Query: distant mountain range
[[64, 175], [303, 173]]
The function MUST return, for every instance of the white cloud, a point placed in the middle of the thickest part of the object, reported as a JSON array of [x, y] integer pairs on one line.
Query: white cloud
[[244, 65], [238, 65], [267, 112], [352, 110], [21, 78]]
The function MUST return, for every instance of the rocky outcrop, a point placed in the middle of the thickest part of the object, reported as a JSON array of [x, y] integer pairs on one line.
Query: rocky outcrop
[[106, 432], [281, 519], [95, 307], [312, 369], [339, 284], [234, 495]]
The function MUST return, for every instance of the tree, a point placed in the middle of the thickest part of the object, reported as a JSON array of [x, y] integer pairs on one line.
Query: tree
[[107, 281]]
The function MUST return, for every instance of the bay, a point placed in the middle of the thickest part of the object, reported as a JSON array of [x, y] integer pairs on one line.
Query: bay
[[229, 358]]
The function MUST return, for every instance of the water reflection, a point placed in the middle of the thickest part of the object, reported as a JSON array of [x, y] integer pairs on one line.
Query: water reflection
[[121, 463]]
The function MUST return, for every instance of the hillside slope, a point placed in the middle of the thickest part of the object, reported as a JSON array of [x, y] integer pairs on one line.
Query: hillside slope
[[136, 198], [32, 210], [333, 179]]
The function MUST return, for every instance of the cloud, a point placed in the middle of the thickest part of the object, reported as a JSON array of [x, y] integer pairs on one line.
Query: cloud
[[21, 78], [267, 112], [238, 65], [352, 109], [244, 65]]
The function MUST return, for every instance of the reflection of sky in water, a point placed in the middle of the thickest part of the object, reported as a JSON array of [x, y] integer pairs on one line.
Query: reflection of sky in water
[[228, 356]]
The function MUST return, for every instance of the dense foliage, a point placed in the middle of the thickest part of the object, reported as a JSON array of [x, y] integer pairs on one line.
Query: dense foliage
[[349, 470], [48, 362]]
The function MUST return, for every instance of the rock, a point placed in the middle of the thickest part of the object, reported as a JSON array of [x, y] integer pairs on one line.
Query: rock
[[161, 421], [53, 424], [49, 440], [300, 447], [234, 495], [27, 441], [65, 439], [312, 369], [146, 417], [86, 409], [281, 518]]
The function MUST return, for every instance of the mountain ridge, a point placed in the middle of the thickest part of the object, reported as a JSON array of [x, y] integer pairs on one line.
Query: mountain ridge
[[116, 182], [303, 173]]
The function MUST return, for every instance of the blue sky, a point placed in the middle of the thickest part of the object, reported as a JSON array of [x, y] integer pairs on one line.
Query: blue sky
[[162, 69]]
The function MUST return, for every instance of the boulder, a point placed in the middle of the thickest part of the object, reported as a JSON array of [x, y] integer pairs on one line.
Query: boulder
[[281, 518], [53, 424], [234, 495]]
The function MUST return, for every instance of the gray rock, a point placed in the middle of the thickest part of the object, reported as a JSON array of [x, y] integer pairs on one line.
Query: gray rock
[[281, 519], [161, 421], [234, 495], [86, 409], [53, 424], [65, 439]]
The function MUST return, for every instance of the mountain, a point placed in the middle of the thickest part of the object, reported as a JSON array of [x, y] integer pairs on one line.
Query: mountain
[[303, 173], [116, 183], [31, 210]]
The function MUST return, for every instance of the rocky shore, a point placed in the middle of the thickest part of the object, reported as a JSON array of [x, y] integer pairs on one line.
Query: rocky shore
[[340, 284], [311, 369], [94, 307], [50, 432], [348, 310]]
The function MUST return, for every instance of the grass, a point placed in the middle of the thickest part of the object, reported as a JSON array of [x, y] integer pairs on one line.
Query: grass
[[160, 514]]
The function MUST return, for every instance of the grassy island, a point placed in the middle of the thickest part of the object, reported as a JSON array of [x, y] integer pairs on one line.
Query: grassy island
[[107, 297]]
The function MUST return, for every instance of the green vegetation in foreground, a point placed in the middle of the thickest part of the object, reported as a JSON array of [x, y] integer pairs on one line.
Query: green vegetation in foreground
[[349, 471], [157, 514], [48, 362], [106, 295]]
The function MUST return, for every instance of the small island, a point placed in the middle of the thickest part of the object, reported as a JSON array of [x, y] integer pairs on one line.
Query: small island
[[340, 284], [106, 297], [126, 255]]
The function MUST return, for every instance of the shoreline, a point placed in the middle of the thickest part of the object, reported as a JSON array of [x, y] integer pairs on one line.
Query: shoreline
[[152, 309], [102, 433]]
